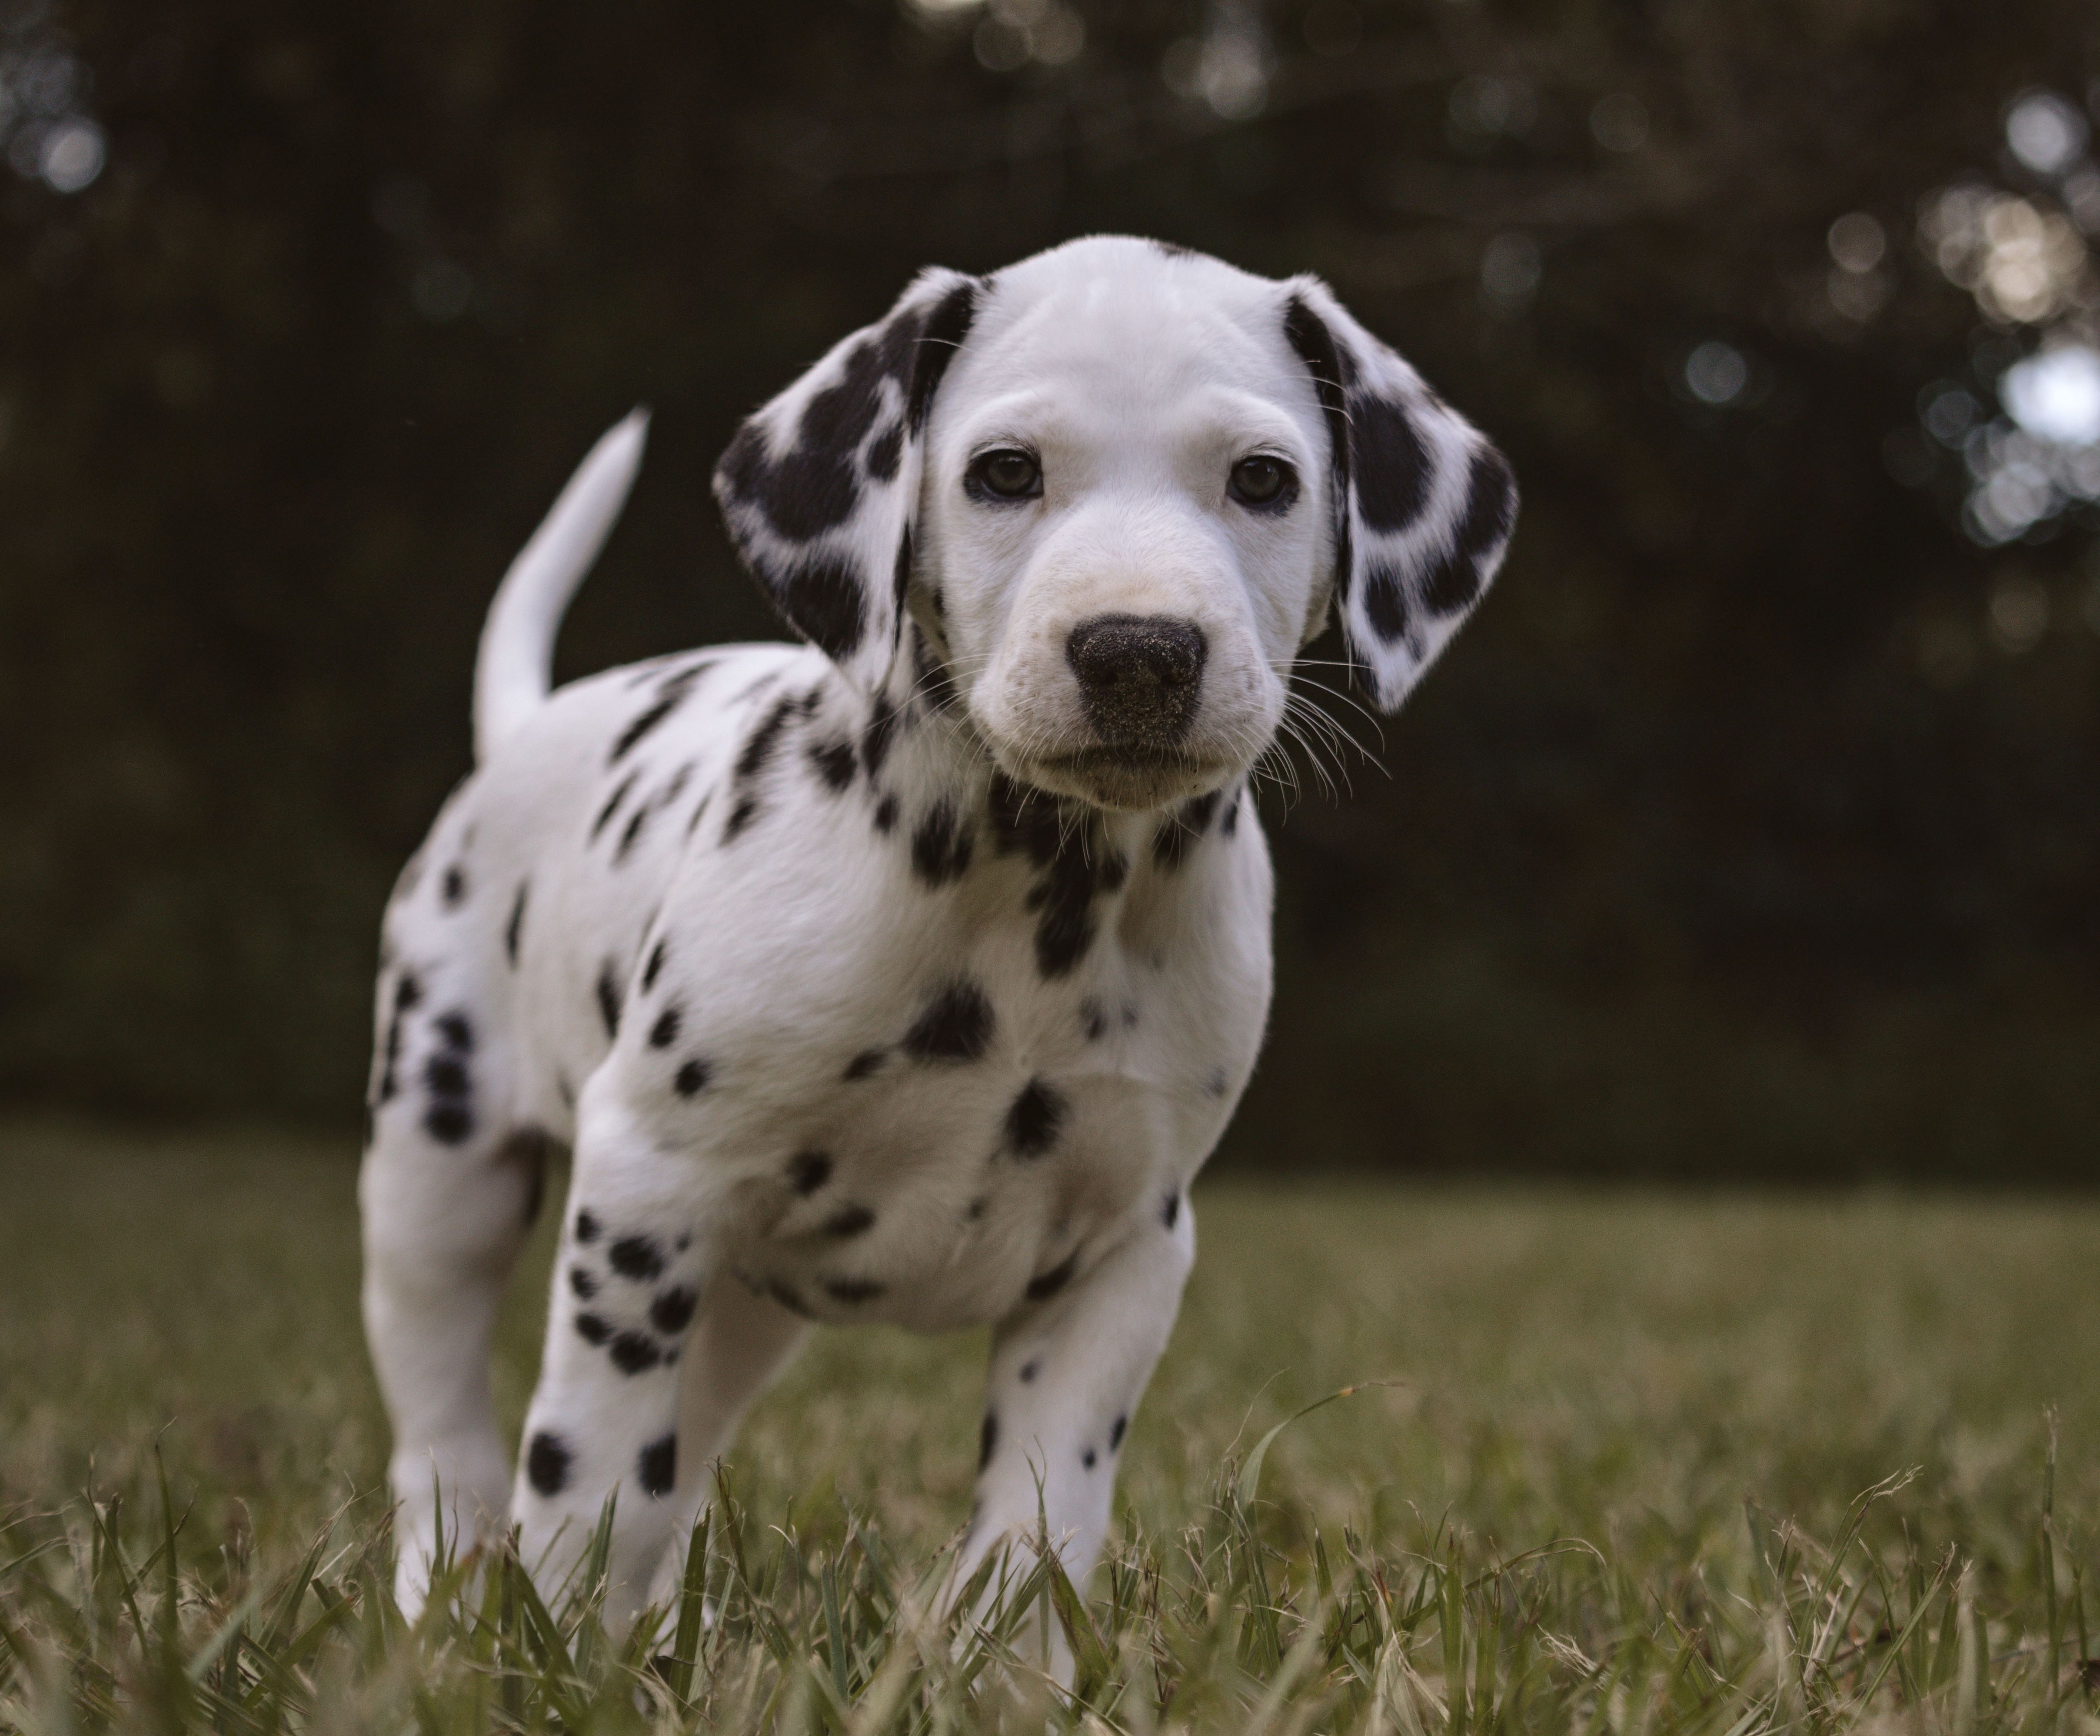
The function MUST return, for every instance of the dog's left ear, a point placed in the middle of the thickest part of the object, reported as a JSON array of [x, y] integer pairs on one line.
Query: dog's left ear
[[820, 486], [1424, 504]]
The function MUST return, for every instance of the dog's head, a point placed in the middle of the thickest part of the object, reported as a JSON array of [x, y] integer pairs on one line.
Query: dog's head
[[1117, 487]]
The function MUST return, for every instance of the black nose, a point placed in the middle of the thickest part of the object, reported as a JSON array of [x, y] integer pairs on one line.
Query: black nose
[[1140, 677]]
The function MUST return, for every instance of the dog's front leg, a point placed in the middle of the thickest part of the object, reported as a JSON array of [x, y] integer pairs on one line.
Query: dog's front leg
[[1066, 1374], [603, 1421]]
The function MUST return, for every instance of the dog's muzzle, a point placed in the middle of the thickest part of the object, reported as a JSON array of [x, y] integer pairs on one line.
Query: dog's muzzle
[[1141, 678]]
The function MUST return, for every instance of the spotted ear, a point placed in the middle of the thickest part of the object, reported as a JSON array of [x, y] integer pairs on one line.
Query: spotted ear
[[820, 486], [1424, 504]]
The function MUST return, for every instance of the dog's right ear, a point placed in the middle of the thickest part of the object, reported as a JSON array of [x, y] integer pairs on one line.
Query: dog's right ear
[[1423, 503], [820, 486]]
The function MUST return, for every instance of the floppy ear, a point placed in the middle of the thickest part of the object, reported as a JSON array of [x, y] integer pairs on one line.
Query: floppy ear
[[1424, 504], [820, 486]]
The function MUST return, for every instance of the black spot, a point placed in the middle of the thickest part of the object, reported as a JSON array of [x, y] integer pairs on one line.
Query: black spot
[[637, 1257], [1331, 376], [850, 1221], [672, 1312], [567, 1090], [609, 998], [1116, 1431], [1093, 1019], [515, 925], [1065, 928], [586, 1227], [593, 1329], [987, 1439], [941, 848], [582, 1283], [658, 1467], [740, 816], [1391, 470], [823, 598], [699, 813], [455, 887], [547, 1464], [635, 1353], [632, 830], [1029, 1370], [946, 326], [1230, 822], [1385, 602], [852, 1290], [664, 1032], [1088, 1458], [957, 1025], [885, 815], [449, 1123], [883, 453], [1216, 1083], [834, 763], [1170, 1210], [935, 681], [1490, 510], [1130, 1015], [808, 1171], [655, 964], [977, 1209], [692, 1078], [879, 732], [759, 744], [1179, 833], [1033, 1120], [1055, 1279], [612, 805], [788, 1296], [448, 1115], [866, 1064], [669, 696], [407, 992], [1062, 894]]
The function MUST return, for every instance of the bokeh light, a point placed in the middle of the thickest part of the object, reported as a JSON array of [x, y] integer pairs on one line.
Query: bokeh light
[[1619, 122], [2044, 132], [1716, 373], [1226, 67], [48, 134]]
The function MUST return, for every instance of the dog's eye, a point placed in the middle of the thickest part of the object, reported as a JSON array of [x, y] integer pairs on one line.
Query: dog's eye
[[1262, 482], [1006, 474]]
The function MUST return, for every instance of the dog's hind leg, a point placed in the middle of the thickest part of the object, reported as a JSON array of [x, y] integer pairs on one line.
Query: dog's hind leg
[[448, 1190]]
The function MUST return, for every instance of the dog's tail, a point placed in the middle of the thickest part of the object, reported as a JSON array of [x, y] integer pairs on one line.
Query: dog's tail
[[515, 668]]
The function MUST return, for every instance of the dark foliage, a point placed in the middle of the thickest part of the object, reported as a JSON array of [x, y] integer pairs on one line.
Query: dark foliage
[[1727, 841]]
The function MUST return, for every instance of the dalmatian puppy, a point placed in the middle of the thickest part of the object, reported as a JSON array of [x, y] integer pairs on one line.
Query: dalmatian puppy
[[911, 972]]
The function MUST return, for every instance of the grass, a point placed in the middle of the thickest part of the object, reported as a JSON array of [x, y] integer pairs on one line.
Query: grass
[[1646, 1464]]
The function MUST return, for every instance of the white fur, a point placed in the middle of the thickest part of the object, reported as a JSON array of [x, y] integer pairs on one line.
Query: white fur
[[804, 916]]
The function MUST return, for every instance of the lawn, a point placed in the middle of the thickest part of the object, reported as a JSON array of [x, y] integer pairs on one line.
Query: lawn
[[1614, 1473]]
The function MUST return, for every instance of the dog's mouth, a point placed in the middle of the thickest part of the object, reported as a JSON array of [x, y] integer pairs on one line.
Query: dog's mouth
[[1125, 777]]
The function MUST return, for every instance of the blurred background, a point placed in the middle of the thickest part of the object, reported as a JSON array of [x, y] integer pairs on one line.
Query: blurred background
[[1750, 832]]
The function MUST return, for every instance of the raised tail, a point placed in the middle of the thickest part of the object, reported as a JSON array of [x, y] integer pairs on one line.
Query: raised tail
[[516, 667]]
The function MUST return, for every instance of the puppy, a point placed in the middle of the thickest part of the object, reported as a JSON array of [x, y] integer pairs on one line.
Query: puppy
[[909, 974]]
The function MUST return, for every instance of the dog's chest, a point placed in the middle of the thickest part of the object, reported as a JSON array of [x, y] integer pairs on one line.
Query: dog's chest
[[984, 1157]]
